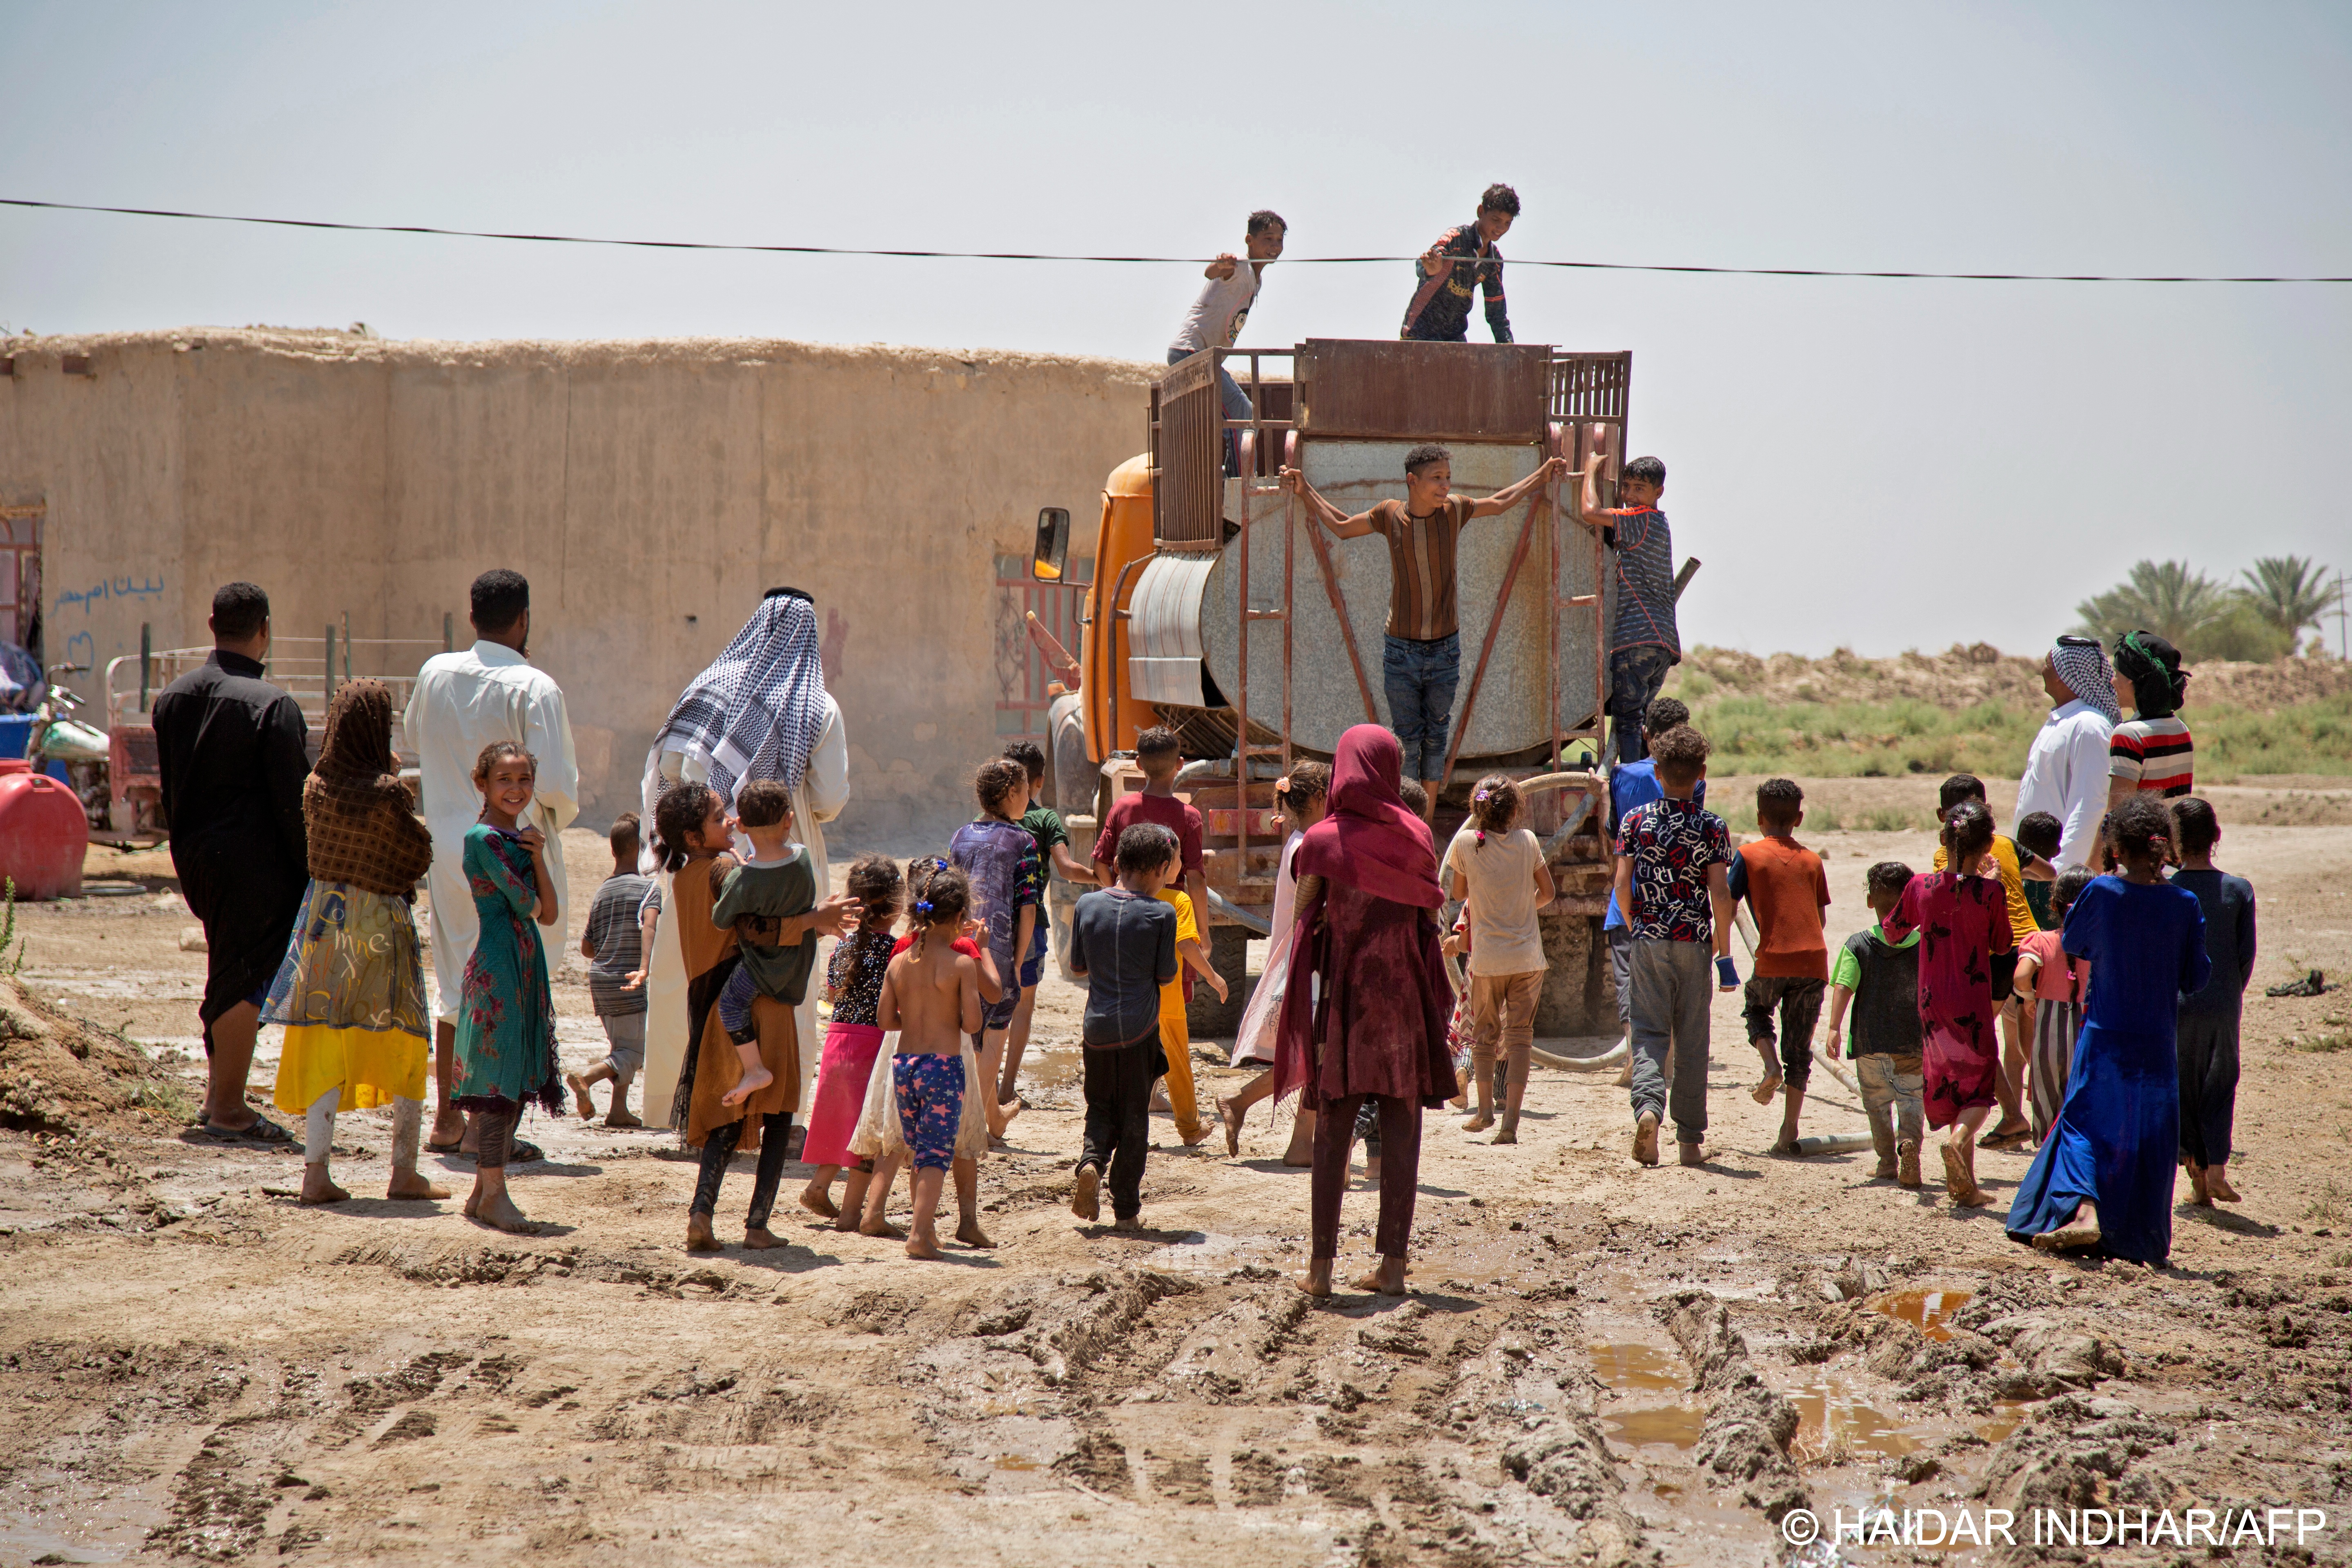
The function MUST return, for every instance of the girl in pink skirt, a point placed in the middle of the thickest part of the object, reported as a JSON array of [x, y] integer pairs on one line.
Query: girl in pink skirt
[[854, 986]]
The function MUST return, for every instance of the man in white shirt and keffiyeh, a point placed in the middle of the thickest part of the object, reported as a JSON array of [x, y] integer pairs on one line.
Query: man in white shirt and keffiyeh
[[760, 711], [2066, 771]]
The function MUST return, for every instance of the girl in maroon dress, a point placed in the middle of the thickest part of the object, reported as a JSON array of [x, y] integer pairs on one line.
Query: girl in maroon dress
[[1963, 920], [1373, 1021]]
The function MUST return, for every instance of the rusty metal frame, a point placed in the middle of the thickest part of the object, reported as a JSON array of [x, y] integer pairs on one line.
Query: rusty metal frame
[[1494, 626]]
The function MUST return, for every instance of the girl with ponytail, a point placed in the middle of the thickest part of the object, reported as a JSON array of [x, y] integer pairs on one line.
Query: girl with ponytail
[[2104, 1177], [1498, 868]]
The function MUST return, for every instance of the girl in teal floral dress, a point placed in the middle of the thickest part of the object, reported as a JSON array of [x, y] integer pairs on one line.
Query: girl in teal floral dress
[[506, 1016]]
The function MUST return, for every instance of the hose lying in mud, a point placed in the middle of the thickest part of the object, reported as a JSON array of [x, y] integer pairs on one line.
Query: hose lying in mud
[[1607, 1061]]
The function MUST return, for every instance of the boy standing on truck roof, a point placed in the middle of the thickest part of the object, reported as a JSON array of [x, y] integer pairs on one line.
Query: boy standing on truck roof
[[1422, 662], [1216, 317], [1644, 643], [1463, 258]]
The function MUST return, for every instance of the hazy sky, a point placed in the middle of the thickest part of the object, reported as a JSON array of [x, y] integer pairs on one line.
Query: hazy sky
[[1878, 464]]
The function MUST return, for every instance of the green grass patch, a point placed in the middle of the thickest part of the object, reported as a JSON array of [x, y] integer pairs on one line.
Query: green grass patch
[[1891, 740], [2326, 1044]]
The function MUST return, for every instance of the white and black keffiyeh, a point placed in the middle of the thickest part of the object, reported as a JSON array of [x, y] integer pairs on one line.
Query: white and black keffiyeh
[[758, 711], [2082, 664]]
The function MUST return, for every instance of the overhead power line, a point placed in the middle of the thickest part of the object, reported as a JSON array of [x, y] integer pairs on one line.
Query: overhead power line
[[1130, 260]]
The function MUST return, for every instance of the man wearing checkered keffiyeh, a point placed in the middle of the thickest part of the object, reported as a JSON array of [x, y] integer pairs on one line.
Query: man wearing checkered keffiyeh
[[2066, 771], [760, 711]]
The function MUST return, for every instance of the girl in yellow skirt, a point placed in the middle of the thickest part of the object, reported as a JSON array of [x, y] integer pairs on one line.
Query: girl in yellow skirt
[[352, 992]]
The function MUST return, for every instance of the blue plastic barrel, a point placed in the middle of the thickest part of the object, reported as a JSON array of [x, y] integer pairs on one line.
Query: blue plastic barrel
[[15, 729]]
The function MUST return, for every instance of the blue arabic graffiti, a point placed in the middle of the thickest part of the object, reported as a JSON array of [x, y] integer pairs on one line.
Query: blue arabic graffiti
[[107, 588]]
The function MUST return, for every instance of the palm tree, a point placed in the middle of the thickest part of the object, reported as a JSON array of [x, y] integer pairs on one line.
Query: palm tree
[[2166, 597], [2289, 592]]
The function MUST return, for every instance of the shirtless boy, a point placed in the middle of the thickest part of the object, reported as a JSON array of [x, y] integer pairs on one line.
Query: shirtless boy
[[930, 995]]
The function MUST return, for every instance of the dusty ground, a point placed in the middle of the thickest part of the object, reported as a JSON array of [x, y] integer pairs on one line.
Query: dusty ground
[[1602, 1363]]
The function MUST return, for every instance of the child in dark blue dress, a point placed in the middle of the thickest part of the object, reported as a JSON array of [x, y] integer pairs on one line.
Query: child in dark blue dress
[[2104, 1176]]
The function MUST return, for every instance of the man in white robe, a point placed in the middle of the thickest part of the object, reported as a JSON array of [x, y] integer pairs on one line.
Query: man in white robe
[[463, 702]]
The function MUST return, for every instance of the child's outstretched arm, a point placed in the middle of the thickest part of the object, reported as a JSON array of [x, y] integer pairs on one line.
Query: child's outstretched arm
[[1197, 958], [991, 985], [1323, 511], [1510, 495]]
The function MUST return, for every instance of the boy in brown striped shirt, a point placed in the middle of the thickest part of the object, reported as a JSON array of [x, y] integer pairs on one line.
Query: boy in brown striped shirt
[[1421, 661]]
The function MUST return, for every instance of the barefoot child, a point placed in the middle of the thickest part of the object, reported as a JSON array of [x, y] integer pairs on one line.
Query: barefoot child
[[1193, 959], [506, 1016], [1498, 867], [1156, 754], [2104, 1176], [1783, 882], [2208, 1018], [612, 945], [1054, 858], [1300, 799], [1000, 858], [1879, 980], [1673, 884], [1963, 919], [854, 986], [930, 994], [2016, 865], [1123, 945], [351, 990], [2056, 985], [771, 903]]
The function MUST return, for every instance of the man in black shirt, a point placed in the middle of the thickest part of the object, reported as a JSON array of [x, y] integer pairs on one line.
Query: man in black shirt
[[1464, 261], [233, 756]]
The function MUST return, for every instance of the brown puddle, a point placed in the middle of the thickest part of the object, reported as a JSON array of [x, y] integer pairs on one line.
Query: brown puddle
[[1052, 1066], [1625, 1367], [1826, 1422], [1676, 1424], [2011, 1413], [1925, 1310]]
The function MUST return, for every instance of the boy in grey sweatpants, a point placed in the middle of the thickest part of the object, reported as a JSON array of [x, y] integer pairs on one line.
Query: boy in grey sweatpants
[[1673, 856], [1879, 980]]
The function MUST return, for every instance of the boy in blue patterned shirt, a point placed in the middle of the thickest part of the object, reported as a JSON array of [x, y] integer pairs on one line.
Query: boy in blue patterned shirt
[[1673, 884]]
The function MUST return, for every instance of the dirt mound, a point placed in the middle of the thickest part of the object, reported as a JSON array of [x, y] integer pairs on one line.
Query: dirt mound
[[59, 1074], [1964, 676]]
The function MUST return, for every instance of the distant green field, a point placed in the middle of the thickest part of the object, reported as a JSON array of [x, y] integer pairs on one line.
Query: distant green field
[[1887, 740]]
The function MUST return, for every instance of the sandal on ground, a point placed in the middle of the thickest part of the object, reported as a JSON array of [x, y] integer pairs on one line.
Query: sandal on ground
[[522, 1153], [263, 1131]]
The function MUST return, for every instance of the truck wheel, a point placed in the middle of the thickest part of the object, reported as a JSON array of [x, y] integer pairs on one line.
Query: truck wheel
[[1071, 776], [1229, 951]]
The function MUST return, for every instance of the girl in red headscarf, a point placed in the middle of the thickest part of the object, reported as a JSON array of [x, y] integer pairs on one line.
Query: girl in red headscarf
[[1373, 1022]]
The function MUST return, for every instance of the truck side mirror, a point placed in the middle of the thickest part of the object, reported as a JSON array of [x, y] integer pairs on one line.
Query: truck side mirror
[[1046, 562]]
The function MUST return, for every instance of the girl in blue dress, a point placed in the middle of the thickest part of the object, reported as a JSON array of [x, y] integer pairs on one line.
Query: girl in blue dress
[[2104, 1176]]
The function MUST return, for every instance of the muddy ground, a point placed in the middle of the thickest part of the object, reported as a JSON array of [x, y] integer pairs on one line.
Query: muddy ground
[[1601, 1363]]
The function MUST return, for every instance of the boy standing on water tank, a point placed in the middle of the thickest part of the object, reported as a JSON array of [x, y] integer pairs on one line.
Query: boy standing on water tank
[[1644, 643], [1422, 662]]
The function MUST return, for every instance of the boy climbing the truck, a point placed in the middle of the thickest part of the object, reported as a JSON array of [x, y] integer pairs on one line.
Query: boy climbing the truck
[[1644, 643], [1216, 317], [1420, 663]]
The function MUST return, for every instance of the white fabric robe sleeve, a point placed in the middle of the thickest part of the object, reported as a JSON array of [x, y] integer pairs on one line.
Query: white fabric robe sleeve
[[2085, 791], [825, 780], [555, 794]]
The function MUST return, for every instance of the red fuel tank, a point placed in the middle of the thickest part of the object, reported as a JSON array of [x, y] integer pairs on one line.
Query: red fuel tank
[[43, 833]]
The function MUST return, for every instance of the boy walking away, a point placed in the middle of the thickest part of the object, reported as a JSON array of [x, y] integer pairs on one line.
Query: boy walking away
[[1631, 784], [2038, 834], [1053, 858], [930, 995], [771, 903], [614, 946], [2208, 1039], [1421, 661], [1215, 320], [1645, 642], [1783, 882], [1879, 979], [1156, 803], [1673, 884], [1498, 867], [1462, 260], [1123, 945], [2056, 980], [2012, 863]]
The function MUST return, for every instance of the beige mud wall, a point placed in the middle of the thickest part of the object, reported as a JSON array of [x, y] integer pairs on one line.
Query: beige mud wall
[[650, 491]]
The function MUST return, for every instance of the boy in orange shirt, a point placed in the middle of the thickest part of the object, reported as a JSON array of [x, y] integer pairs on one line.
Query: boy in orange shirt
[[1783, 882]]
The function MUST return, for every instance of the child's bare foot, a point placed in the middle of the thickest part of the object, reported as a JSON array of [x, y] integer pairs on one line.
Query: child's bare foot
[[1230, 1113], [1692, 1154], [1906, 1163], [1506, 1133], [2200, 1195], [1006, 1110], [473, 1204], [926, 1249], [498, 1212], [1130, 1224], [1317, 1280], [2083, 1230], [617, 1117], [1193, 1137], [1478, 1122], [1960, 1182], [1645, 1139], [581, 1100], [698, 1234], [2219, 1186], [318, 1188], [881, 1228], [759, 1238], [409, 1184], [1785, 1144], [1085, 1199], [1372, 1171], [848, 1222], [971, 1235], [1770, 1085], [1386, 1278], [1300, 1155], [756, 1076], [818, 1201], [1885, 1170]]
